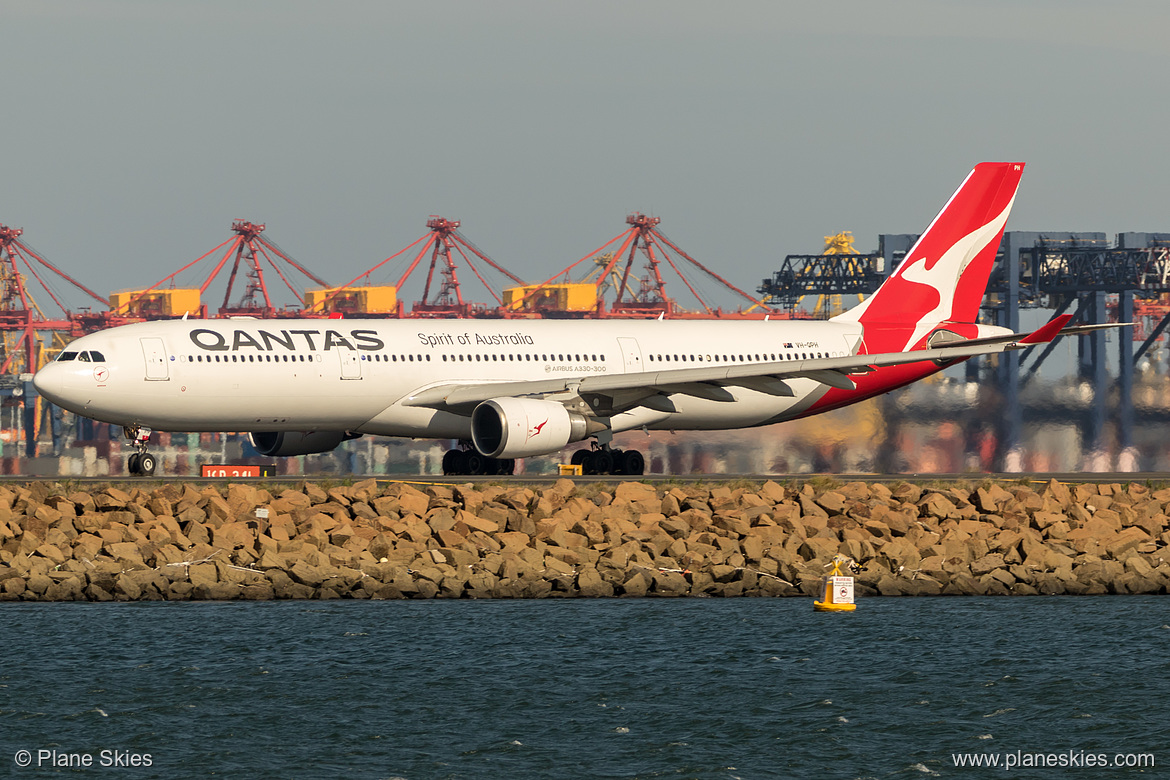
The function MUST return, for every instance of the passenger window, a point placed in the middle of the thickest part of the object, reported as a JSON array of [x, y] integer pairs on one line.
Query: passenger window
[[428, 358]]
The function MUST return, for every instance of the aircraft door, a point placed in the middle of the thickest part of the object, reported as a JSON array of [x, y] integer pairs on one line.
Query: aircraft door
[[631, 355], [351, 363], [156, 359]]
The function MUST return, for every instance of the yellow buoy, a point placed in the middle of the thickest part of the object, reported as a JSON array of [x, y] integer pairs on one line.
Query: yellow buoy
[[837, 589]]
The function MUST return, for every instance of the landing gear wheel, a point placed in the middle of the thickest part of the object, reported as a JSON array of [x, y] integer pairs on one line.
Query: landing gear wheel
[[140, 463], [454, 462], [579, 457], [506, 467], [602, 462], [146, 464], [618, 461], [633, 463], [476, 464]]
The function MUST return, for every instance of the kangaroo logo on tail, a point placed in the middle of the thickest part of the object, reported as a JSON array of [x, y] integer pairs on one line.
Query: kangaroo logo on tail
[[944, 276]]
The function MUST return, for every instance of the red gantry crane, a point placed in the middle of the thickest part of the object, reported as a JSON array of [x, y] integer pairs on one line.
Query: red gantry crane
[[22, 320], [445, 243], [633, 296], [249, 252]]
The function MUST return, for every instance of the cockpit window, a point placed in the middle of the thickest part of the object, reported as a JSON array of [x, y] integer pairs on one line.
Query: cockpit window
[[97, 356], [83, 357], [66, 356]]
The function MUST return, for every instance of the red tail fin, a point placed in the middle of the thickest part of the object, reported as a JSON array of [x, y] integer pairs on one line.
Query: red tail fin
[[944, 276]]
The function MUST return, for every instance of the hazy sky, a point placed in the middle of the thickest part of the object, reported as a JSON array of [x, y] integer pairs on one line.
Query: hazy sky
[[135, 130]]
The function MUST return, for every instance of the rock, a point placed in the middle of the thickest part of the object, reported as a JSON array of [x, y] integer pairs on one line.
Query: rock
[[987, 564], [773, 492], [832, 502], [1125, 541], [937, 505], [636, 584], [810, 508], [411, 501]]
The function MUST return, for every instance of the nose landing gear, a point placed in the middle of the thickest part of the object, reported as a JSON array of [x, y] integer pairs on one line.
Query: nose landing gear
[[140, 463]]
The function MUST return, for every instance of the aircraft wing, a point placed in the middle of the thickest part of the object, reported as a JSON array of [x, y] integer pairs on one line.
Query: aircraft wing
[[650, 388]]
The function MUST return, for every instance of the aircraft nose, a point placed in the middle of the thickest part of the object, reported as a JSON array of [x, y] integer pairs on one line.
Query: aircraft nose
[[50, 382]]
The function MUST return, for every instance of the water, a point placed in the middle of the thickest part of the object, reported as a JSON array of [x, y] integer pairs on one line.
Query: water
[[738, 688]]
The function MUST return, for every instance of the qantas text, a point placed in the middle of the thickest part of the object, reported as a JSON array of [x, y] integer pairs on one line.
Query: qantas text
[[264, 340]]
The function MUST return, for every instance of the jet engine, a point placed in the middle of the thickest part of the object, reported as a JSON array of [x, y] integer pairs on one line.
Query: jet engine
[[522, 427], [286, 443]]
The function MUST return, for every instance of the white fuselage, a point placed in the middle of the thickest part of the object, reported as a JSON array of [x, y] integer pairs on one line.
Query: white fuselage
[[353, 374]]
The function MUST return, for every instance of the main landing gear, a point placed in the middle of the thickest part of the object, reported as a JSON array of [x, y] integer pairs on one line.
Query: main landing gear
[[140, 463], [602, 460], [460, 462], [606, 461]]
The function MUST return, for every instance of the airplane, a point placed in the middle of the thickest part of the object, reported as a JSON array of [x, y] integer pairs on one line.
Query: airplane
[[508, 389]]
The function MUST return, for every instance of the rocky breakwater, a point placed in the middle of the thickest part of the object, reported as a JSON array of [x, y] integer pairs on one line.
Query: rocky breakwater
[[395, 540]]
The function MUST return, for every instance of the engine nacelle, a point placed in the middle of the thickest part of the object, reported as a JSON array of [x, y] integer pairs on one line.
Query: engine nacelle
[[286, 443], [522, 427]]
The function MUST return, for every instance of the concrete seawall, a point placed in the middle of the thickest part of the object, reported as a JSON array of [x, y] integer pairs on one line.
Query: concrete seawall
[[396, 540]]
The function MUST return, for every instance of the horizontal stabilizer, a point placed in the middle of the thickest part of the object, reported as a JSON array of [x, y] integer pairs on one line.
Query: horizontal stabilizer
[[1046, 332]]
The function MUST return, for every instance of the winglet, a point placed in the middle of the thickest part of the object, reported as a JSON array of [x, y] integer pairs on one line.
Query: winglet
[[1047, 332]]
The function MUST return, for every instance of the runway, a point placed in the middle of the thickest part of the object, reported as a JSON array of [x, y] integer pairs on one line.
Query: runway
[[1153, 478]]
